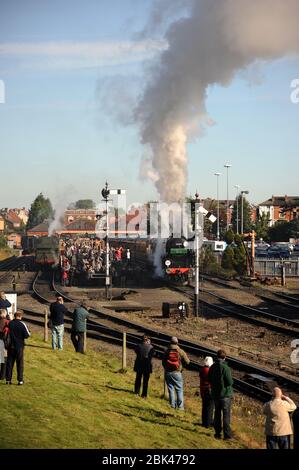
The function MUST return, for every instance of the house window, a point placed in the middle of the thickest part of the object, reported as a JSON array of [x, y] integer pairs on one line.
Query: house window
[[282, 215]]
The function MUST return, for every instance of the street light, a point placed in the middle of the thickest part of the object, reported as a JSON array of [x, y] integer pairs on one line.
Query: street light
[[218, 219], [227, 166], [242, 222], [237, 186]]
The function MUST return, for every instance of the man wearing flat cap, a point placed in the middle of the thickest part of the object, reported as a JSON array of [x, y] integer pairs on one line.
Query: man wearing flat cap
[[173, 360]]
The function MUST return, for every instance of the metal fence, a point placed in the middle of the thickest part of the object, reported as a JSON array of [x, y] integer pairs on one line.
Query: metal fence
[[272, 267]]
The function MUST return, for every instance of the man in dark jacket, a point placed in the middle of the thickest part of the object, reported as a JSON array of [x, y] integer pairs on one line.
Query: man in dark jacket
[[57, 312], [80, 316], [143, 365], [172, 361], [18, 333], [4, 303], [220, 378]]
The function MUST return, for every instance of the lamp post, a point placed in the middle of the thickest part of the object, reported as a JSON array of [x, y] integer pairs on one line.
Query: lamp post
[[237, 186], [227, 166], [218, 234], [242, 210]]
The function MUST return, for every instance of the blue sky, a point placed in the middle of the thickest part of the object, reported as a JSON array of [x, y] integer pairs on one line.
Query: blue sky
[[65, 65]]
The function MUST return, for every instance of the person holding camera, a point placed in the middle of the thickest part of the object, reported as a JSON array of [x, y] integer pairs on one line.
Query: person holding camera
[[56, 322], [278, 428], [143, 365]]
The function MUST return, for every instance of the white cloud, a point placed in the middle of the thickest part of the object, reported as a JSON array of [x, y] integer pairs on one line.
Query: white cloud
[[80, 54]]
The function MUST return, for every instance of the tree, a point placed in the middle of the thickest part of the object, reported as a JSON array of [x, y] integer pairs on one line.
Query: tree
[[283, 231], [247, 224], [229, 237], [261, 227], [207, 260], [239, 260], [85, 204], [40, 210], [227, 261], [3, 242]]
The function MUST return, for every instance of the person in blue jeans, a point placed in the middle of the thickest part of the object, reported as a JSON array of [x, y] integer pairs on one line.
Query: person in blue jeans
[[220, 378], [57, 312], [172, 361]]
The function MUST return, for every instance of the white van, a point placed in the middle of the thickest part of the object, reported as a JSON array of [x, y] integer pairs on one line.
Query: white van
[[216, 245]]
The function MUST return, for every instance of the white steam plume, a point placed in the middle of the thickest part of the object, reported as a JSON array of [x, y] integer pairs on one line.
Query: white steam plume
[[63, 199], [217, 40]]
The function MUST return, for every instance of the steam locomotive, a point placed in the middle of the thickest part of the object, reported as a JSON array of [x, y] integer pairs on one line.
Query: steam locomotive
[[47, 252], [176, 260]]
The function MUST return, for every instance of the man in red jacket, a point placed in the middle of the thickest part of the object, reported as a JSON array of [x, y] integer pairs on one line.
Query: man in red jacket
[[206, 396]]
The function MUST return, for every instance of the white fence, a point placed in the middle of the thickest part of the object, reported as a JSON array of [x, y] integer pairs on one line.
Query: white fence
[[272, 267]]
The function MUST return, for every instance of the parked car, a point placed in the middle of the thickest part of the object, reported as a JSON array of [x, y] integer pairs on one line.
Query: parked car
[[261, 252], [276, 251]]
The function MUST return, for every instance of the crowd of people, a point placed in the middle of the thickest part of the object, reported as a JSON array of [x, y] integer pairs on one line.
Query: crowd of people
[[83, 257], [216, 390], [216, 382], [13, 333]]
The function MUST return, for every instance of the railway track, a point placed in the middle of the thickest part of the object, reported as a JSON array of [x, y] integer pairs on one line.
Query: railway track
[[244, 313], [102, 325], [258, 317], [12, 264], [272, 298]]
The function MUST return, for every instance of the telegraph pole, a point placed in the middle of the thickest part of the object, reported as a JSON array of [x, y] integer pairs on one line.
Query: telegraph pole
[[106, 193], [197, 247], [199, 213]]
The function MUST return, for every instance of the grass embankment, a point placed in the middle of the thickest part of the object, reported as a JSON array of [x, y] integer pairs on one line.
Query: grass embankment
[[71, 400]]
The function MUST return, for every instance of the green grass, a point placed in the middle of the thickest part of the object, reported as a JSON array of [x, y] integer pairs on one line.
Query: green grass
[[71, 400]]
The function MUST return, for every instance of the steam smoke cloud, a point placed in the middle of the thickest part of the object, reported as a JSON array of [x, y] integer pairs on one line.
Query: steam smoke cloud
[[211, 46]]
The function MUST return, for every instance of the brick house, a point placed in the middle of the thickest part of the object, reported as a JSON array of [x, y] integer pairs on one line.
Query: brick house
[[2, 224], [280, 208], [71, 215]]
